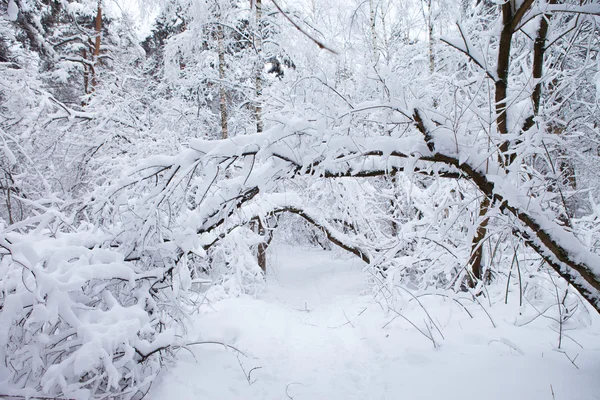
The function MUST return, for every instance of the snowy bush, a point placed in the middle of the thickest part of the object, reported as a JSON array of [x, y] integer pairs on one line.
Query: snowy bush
[[78, 320]]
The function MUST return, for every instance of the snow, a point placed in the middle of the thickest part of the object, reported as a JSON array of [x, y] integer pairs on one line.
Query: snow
[[12, 10], [112, 179], [317, 333]]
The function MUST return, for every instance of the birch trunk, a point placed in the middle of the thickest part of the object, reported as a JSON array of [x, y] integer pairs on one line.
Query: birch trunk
[[262, 247], [222, 93]]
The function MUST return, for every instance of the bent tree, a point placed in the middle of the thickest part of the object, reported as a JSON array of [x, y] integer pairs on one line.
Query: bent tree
[[270, 157], [497, 131]]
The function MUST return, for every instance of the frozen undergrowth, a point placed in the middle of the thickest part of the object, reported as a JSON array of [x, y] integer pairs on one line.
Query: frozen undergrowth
[[317, 332], [79, 321]]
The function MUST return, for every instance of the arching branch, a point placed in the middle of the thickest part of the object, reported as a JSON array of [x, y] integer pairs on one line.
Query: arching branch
[[339, 239], [348, 156]]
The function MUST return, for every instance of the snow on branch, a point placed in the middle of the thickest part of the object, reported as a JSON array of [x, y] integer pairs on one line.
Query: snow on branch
[[289, 202], [216, 179], [81, 320], [558, 247], [465, 45], [544, 8]]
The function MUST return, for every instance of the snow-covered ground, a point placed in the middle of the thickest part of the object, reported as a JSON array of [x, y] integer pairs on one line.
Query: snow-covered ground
[[316, 333]]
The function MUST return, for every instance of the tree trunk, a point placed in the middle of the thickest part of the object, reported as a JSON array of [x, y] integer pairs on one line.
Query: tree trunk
[[510, 18], [501, 85], [97, 43], [222, 93], [430, 33], [372, 22], [477, 243], [258, 68], [262, 247], [565, 168], [86, 75]]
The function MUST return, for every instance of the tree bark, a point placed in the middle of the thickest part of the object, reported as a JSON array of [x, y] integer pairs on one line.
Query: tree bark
[[430, 34], [510, 19], [565, 168], [222, 93], [258, 68], [372, 23], [501, 85], [477, 243], [262, 248], [97, 42], [86, 74]]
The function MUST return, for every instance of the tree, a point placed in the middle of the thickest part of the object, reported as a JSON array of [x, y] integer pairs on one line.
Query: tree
[[494, 167], [113, 211]]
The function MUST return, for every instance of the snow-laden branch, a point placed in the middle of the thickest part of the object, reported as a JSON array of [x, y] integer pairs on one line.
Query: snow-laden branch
[[301, 148], [356, 156], [558, 247], [78, 317], [465, 46], [289, 202], [546, 8]]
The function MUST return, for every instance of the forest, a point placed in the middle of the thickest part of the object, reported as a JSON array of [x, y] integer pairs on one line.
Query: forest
[[433, 165]]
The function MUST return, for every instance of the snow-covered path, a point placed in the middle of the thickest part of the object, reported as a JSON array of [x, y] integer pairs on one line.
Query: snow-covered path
[[317, 334]]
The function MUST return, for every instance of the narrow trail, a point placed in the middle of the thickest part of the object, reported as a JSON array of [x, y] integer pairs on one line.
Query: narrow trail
[[317, 334]]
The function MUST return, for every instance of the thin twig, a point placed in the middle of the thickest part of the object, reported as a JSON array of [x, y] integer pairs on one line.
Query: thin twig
[[288, 386], [316, 41], [215, 342], [572, 359], [483, 308], [350, 322]]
